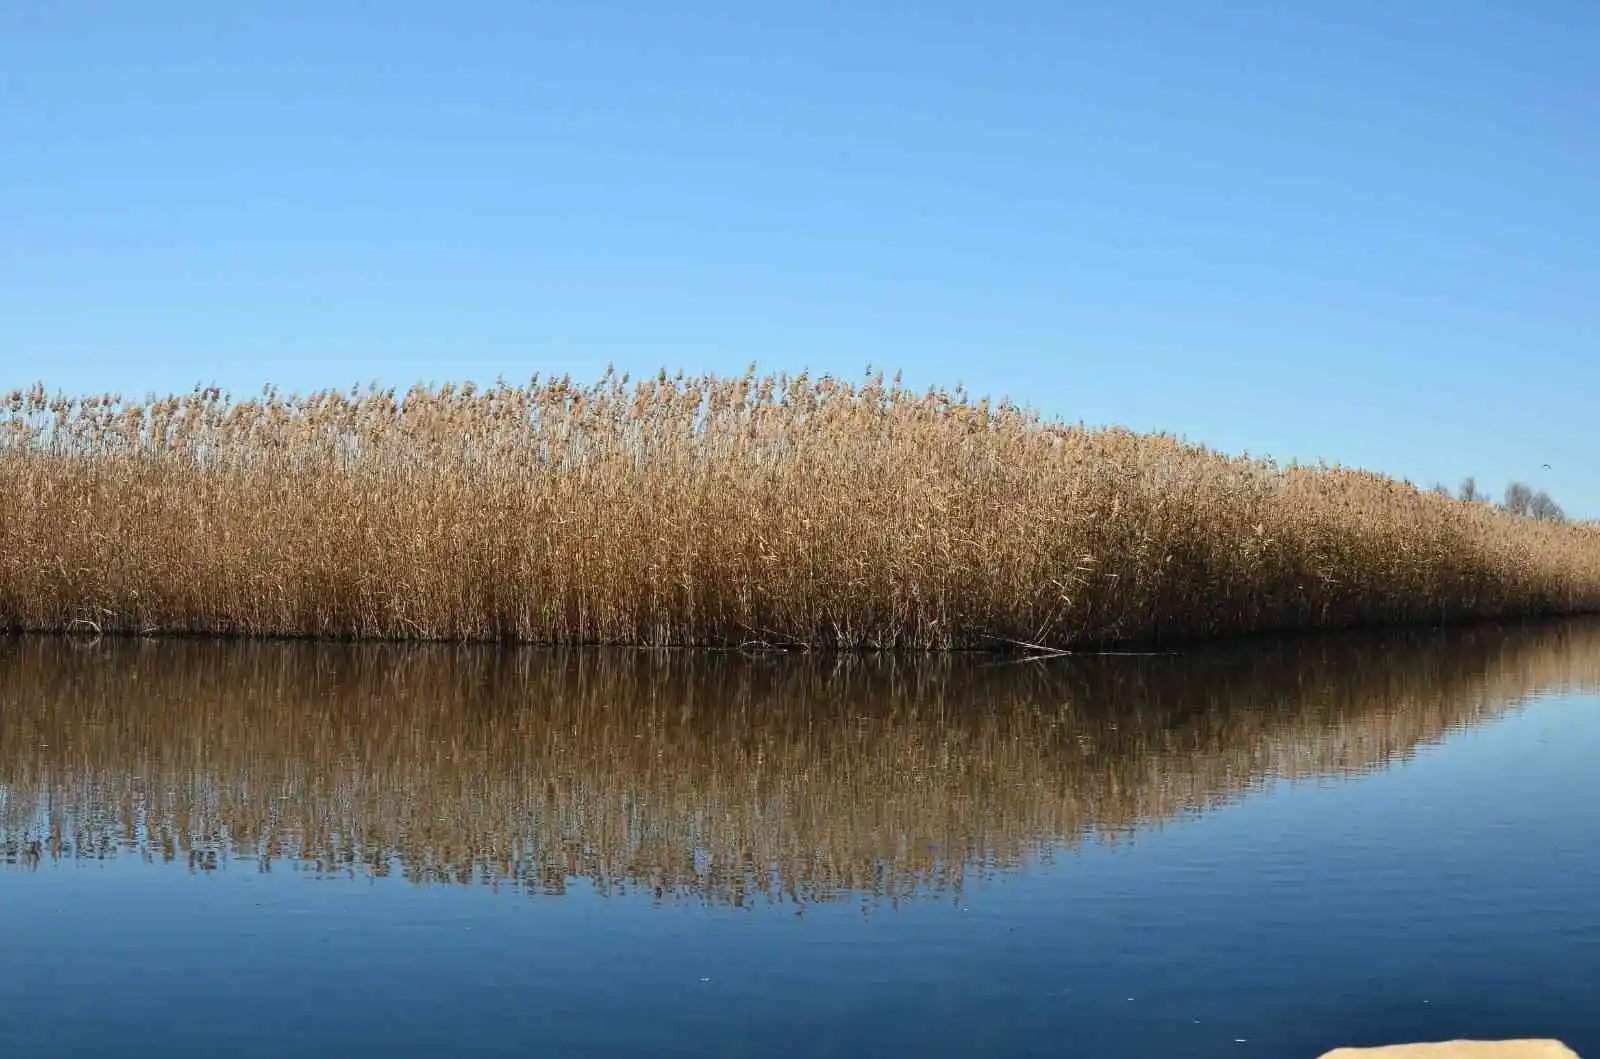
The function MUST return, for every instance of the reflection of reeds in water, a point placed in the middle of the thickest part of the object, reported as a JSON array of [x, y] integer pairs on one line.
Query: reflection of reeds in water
[[711, 775]]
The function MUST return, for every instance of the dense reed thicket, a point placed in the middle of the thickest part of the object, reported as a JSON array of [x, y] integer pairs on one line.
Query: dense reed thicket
[[774, 509], [701, 775]]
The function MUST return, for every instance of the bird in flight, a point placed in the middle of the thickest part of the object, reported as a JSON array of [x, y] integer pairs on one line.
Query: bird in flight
[[1547, 466]]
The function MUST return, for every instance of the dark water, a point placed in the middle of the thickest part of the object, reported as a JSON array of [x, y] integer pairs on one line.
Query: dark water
[[1266, 851]]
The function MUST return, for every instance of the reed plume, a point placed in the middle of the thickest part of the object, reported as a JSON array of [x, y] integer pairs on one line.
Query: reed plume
[[769, 509]]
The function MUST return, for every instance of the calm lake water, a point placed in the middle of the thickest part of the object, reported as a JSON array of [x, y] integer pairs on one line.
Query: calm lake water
[[1267, 850]]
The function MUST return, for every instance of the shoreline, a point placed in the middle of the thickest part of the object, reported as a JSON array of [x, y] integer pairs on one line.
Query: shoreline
[[88, 633]]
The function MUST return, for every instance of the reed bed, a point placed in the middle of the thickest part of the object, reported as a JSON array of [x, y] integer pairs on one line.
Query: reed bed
[[703, 511], [700, 776]]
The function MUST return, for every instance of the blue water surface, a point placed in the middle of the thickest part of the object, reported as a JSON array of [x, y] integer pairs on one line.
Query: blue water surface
[[1453, 891]]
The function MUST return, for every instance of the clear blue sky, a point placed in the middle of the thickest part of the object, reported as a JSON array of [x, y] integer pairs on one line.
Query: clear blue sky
[[1362, 231]]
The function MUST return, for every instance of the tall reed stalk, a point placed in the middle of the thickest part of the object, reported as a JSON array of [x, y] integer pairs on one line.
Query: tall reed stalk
[[786, 510]]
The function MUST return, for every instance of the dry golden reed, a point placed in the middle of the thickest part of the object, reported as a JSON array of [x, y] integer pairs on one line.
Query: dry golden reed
[[699, 775], [717, 511]]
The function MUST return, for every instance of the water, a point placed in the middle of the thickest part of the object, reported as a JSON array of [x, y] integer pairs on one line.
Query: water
[[1270, 850]]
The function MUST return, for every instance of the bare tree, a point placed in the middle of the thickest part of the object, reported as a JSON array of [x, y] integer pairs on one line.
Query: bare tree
[[1540, 506], [1518, 499], [1440, 489], [1469, 489]]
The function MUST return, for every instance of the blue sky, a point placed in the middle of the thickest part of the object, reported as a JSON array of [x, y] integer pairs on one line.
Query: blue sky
[[1360, 231]]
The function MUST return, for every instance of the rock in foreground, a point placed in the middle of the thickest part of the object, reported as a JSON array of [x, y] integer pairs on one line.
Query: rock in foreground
[[1528, 1049]]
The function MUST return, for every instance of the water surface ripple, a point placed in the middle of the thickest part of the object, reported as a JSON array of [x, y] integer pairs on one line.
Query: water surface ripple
[[1267, 849]]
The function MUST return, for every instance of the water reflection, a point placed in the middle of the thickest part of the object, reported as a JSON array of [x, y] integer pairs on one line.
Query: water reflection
[[707, 776]]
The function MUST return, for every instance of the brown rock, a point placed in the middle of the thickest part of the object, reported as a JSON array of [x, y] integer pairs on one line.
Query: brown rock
[[1460, 1050]]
